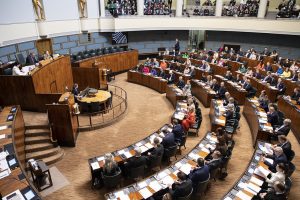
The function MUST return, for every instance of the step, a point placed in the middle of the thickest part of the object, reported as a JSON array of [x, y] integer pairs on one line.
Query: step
[[55, 158], [38, 147], [43, 154], [37, 140], [38, 126], [37, 132]]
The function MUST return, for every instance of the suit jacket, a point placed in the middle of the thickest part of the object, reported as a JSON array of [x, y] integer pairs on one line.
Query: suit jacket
[[230, 77], [181, 189], [135, 162], [274, 196], [215, 87], [199, 175], [281, 88], [221, 92], [162, 74], [168, 140], [277, 159], [268, 68], [214, 164], [295, 77], [178, 132], [180, 84], [31, 60], [257, 75], [273, 118], [267, 79], [171, 78], [157, 151], [273, 82], [287, 149], [295, 96], [283, 130]]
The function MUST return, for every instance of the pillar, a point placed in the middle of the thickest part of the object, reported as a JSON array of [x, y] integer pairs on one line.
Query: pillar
[[262, 8], [219, 7], [102, 8], [140, 7], [179, 4]]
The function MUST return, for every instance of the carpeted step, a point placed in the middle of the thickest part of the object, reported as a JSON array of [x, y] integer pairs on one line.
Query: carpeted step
[[38, 147], [37, 132], [55, 158], [40, 126], [37, 140], [43, 154]]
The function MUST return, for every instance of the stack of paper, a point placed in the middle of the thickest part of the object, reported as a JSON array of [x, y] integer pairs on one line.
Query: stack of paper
[[256, 181], [243, 196], [167, 181], [186, 168], [260, 171], [95, 165], [220, 121], [155, 186]]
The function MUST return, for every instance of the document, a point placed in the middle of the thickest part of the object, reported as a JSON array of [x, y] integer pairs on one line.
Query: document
[[16, 195], [155, 186], [186, 168], [143, 149], [29, 195], [220, 121], [142, 184], [178, 165], [100, 158], [167, 181], [161, 175], [128, 154], [260, 171], [149, 145], [193, 156], [243, 196], [2, 136], [121, 152], [4, 173], [228, 198], [3, 155], [249, 190], [145, 193], [256, 181], [95, 165], [3, 127], [269, 160], [121, 195], [253, 187], [242, 185], [139, 144]]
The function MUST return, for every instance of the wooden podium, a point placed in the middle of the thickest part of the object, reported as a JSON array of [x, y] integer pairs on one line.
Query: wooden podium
[[63, 120]]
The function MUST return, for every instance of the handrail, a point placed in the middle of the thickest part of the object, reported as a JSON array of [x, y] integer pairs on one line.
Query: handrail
[[50, 130]]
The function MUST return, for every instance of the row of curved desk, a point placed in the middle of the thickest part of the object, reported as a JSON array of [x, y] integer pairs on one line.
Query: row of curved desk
[[202, 92], [12, 143]]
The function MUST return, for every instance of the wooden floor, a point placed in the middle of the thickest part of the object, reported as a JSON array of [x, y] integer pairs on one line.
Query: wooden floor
[[147, 111]]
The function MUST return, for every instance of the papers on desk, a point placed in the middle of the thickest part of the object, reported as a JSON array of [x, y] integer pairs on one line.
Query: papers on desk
[[4, 173], [143, 149], [121, 195], [29, 195], [193, 156], [242, 185], [161, 175], [269, 160], [273, 88], [204, 149], [101, 158], [142, 184], [179, 116], [260, 171], [268, 128], [254, 187], [95, 165], [149, 145], [3, 127], [16, 195], [167, 181], [145, 193], [2, 136], [186, 168], [139, 144], [256, 181], [263, 120], [262, 114], [253, 100], [127, 154], [3, 155], [243, 196], [155, 186], [220, 121]]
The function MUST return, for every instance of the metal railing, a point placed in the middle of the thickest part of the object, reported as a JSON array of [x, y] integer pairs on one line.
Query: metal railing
[[117, 108]]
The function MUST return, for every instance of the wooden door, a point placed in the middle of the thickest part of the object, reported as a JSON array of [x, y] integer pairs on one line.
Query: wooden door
[[44, 45]]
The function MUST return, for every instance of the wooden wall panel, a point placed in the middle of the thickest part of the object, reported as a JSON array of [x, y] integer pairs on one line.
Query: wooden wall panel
[[53, 77], [86, 77], [117, 62], [19, 137]]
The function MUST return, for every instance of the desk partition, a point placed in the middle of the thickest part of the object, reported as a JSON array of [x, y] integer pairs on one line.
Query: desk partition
[[202, 92]]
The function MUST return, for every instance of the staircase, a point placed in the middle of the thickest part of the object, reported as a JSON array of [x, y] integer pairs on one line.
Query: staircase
[[39, 146]]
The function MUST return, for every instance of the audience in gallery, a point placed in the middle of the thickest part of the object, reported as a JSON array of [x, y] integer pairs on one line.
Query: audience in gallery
[[156, 7], [122, 7], [288, 9], [247, 8]]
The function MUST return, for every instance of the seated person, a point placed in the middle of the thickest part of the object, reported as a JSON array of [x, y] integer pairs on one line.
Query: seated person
[[226, 99], [267, 78], [163, 64], [228, 76], [215, 161], [157, 150], [280, 86], [147, 62], [279, 175], [249, 73], [264, 103], [231, 102], [284, 129], [278, 157], [221, 91], [203, 78], [191, 117], [110, 167], [242, 69], [155, 63], [279, 70], [277, 194], [286, 146], [146, 69], [30, 59], [248, 87], [153, 72], [200, 173], [182, 187], [162, 74], [257, 74], [294, 76], [215, 85], [186, 70], [178, 131], [171, 77], [286, 73], [268, 67], [136, 161], [229, 113], [47, 56], [180, 84], [273, 81], [169, 140], [17, 70], [192, 72], [273, 117], [221, 146], [261, 66], [296, 94], [186, 90]]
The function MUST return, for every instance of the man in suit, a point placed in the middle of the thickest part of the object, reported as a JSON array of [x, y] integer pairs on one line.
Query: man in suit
[[31, 60], [199, 173], [266, 52], [215, 162], [215, 85], [268, 67], [75, 90], [171, 77], [221, 91], [273, 81], [182, 187], [278, 157], [162, 73], [296, 94], [177, 46], [277, 194], [228, 76], [157, 151], [180, 83], [273, 117], [257, 74], [286, 146], [136, 161], [281, 87], [248, 87], [268, 78], [168, 140], [284, 129], [178, 131]]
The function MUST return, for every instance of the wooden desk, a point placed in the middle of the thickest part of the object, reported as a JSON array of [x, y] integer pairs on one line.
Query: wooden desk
[[155, 83], [173, 94], [117, 62], [253, 113], [202, 92], [101, 96], [291, 111], [14, 143]]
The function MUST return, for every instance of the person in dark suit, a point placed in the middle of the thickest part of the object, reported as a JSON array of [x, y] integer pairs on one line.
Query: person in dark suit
[[264, 102], [281, 87], [171, 77], [286, 146], [215, 161], [284, 129], [266, 52], [203, 78], [157, 151], [273, 117], [75, 90], [228, 76], [257, 74], [199, 173], [177, 46], [180, 83], [215, 85], [268, 67], [178, 131], [221, 91], [278, 157], [168, 140], [294, 76], [30, 59], [296, 94], [136, 161], [237, 58], [267, 78], [248, 87], [162, 73], [182, 187], [277, 194], [273, 81], [110, 167]]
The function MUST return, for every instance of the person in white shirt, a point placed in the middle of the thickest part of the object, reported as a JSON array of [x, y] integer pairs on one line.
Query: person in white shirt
[[186, 90], [17, 71], [253, 56], [278, 176]]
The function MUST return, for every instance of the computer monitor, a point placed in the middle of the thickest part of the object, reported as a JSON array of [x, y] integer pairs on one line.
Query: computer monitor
[[20, 58]]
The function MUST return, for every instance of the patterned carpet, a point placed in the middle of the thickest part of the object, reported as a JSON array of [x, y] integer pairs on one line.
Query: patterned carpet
[[147, 111]]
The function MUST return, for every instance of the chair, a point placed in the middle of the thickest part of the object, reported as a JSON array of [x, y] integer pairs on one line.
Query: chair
[[112, 181], [201, 188], [291, 170], [170, 152], [182, 143], [188, 197], [155, 162], [7, 71], [213, 174], [195, 128], [291, 155], [288, 185], [20, 58], [231, 125], [137, 172]]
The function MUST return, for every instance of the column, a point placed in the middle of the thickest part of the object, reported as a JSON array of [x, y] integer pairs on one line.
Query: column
[[140, 7], [262, 8], [102, 8], [219, 7], [179, 4]]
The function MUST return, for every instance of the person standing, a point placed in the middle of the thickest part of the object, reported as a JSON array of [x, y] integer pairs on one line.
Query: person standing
[[177, 46]]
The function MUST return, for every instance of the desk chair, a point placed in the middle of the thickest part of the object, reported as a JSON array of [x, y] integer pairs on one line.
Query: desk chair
[[291, 170], [137, 173], [7, 71], [182, 143], [155, 163], [170, 152], [112, 181], [288, 185], [195, 128], [213, 174], [188, 197], [201, 188], [20, 58]]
